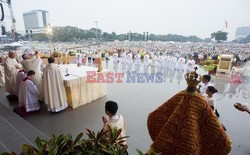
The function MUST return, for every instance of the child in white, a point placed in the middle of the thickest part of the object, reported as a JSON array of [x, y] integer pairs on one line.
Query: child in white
[[115, 120], [209, 97]]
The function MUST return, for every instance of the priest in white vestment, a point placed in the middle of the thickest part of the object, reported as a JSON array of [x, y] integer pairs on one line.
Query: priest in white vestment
[[115, 61], [146, 63], [130, 61], [190, 65], [53, 87], [11, 67], [181, 64], [19, 78], [2, 76], [28, 94], [34, 63]]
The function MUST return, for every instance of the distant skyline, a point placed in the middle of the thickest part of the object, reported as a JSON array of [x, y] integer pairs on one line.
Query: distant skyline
[[184, 17]]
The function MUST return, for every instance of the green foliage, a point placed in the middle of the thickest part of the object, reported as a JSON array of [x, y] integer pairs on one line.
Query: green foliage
[[219, 36], [74, 34], [210, 65], [104, 142], [243, 40]]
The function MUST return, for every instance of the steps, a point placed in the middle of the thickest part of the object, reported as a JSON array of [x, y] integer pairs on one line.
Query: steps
[[15, 131]]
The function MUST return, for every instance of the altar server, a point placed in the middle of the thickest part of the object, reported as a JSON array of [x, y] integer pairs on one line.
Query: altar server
[[54, 91], [2, 76], [173, 63], [167, 62], [146, 63], [28, 94], [115, 61], [154, 60], [130, 61], [124, 61], [11, 67], [34, 63], [190, 65], [160, 61], [137, 62], [181, 64]]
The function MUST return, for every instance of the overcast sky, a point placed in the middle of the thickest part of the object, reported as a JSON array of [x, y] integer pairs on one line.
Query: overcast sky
[[185, 17]]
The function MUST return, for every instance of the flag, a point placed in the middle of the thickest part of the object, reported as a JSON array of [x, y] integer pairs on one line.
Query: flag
[[226, 23]]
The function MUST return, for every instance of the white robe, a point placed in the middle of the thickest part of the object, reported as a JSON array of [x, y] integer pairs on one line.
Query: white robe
[[19, 78], [118, 122], [10, 71], [130, 61], [160, 62], [53, 88], [115, 62], [35, 64], [2, 76], [190, 66], [28, 96], [181, 64], [124, 58]]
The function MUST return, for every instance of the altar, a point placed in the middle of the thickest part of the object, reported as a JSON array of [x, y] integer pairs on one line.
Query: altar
[[78, 91]]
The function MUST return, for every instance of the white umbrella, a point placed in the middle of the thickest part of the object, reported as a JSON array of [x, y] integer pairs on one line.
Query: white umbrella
[[16, 44]]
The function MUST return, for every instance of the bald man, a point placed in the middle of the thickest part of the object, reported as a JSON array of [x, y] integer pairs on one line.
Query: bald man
[[11, 68]]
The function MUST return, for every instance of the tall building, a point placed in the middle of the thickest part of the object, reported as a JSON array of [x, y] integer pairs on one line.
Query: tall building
[[242, 32], [36, 20]]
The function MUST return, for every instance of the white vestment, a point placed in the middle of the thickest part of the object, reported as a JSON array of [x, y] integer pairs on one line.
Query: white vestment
[[124, 58], [181, 64], [173, 63], [146, 60], [130, 61], [115, 62], [28, 96], [117, 121], [154, 60], [35, 64], [2, 76], [10, 71], [53, 88], [160, 62], [19, 78], [190, 66]]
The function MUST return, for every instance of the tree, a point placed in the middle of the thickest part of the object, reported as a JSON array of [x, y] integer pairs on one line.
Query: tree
[[219, 36]]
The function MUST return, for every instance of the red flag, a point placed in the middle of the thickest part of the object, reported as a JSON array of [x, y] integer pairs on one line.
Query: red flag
[[226, 23]]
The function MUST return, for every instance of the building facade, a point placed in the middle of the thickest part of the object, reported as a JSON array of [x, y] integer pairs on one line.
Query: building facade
[[36, 19], [242, 32]]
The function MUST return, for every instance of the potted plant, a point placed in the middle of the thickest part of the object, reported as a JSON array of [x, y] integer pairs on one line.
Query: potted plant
[[210, 66], [104, 142]]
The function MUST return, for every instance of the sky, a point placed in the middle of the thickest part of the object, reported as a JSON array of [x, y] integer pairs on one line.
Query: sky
[[184, 17]]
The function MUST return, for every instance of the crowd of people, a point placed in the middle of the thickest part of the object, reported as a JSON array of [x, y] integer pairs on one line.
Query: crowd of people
[[31, 84]]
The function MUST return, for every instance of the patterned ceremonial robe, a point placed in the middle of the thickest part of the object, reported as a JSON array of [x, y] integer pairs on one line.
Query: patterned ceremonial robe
[[186, 124]]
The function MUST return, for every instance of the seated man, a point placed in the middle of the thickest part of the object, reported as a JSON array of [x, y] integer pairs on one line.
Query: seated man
[[186, 124], [28, 96]]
